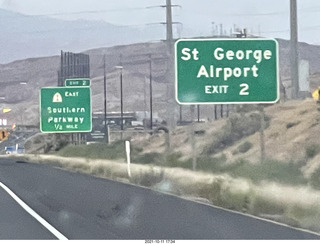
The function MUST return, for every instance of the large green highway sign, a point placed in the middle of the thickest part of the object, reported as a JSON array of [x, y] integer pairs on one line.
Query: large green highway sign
[[210, 71], [65, 109]]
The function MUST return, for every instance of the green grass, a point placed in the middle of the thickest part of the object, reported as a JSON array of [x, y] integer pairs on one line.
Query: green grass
[[148, 158], [160, 159], [95, 151], [312, 150], [314, 180], [281, 172], [261, 205], [271, 170]]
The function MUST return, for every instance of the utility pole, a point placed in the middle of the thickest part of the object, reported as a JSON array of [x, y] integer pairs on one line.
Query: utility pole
[[106, 134], [120, 67], [172, 108], [121, 95], [193, 142], [121, 100], [294, 54], [169, 77], [170, 70], [262, 139], [150, 69], [169, 21]]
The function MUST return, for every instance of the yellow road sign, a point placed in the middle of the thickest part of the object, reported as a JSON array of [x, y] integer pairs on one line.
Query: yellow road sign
[[315, 93], [4, 134], [6, 110]]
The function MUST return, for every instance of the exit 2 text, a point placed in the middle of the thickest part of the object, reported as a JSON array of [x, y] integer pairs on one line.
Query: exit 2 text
[[210, 89]]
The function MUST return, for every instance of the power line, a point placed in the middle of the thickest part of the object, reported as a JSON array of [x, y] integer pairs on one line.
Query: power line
[[275, 31], [306, 28], [315, 9], [259, 14], [89, 12]]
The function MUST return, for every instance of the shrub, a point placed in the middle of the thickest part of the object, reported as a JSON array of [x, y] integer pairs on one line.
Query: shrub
[[222, 139], [237, 127], [299, 215], [312, 150], [291, 124], [148, 158], [148, 178], [210, 164], [245, 147], [314, 180], [261, 205], [61, 144], [173, 160], [236, 201]]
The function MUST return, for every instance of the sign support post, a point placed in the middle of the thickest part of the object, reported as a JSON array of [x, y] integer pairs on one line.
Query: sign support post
[[227, 71]]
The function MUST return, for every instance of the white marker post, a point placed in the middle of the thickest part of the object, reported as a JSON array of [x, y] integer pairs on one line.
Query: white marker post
[[128, 157]]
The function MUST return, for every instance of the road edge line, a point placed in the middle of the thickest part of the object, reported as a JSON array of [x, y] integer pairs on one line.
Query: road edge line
[[29, 210]]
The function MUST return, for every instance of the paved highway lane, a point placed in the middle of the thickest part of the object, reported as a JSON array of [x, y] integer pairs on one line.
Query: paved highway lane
[[85, 207], [17, 224]]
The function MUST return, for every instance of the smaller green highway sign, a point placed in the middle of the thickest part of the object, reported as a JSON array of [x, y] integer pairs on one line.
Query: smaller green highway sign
[[65, 109], [217, 71], [77, 82]]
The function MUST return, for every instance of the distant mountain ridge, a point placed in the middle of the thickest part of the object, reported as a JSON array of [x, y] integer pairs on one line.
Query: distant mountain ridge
[[25, 36]]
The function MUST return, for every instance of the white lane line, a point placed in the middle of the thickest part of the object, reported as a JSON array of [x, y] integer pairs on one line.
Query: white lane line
[[42, 221]]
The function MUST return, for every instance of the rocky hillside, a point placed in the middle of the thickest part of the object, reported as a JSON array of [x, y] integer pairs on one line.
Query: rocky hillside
[[291, 135], [23, 98]]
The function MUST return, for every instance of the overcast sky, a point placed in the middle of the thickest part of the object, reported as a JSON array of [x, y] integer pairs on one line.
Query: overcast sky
[[269, 18]]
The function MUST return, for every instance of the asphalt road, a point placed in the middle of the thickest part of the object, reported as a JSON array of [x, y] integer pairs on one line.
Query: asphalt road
[[84, 207], [16, 223]]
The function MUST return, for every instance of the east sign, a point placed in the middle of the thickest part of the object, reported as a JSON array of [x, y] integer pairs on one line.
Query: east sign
[[65, 109], [217, 71]]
